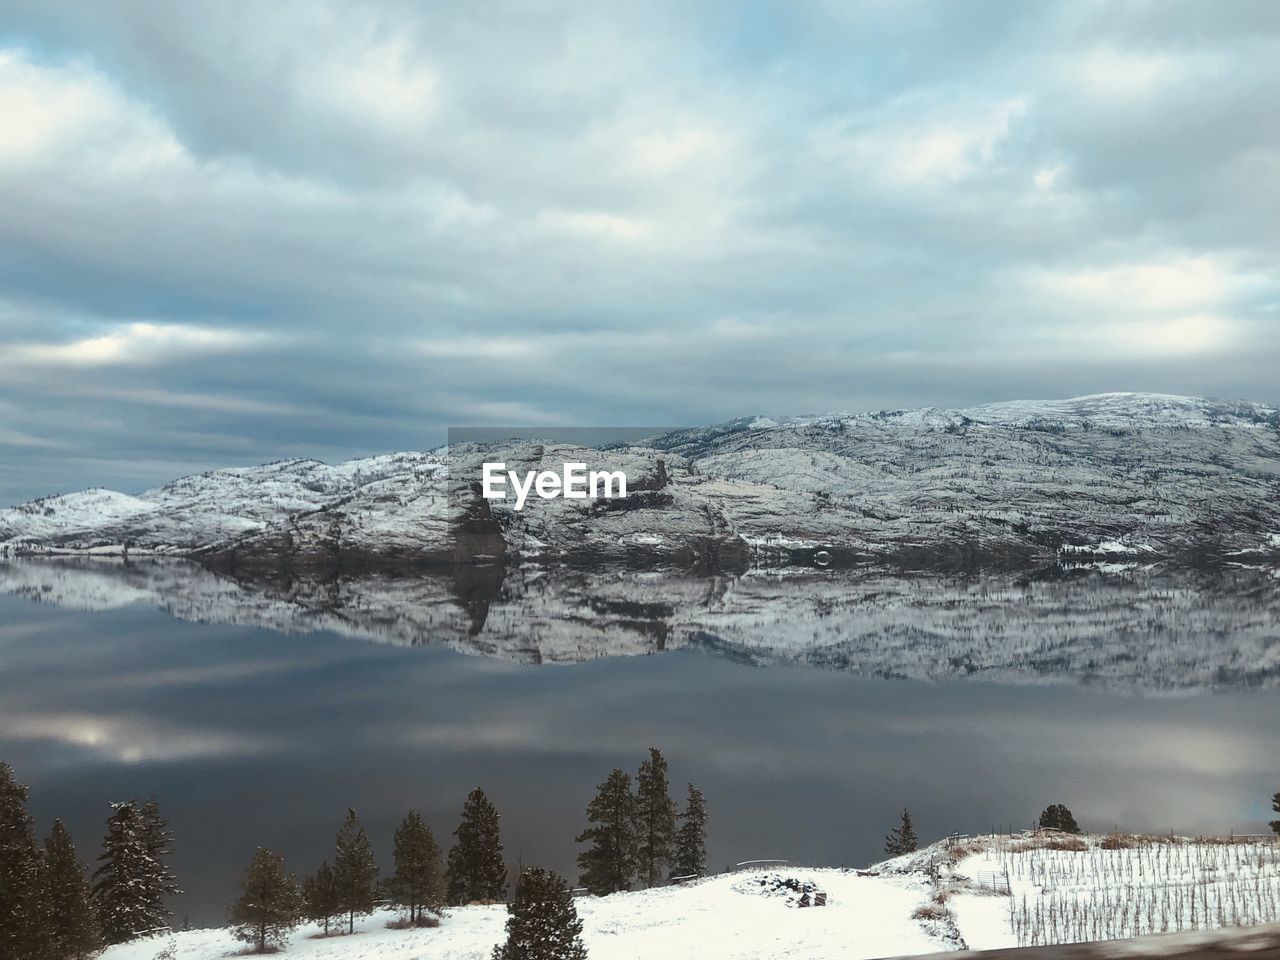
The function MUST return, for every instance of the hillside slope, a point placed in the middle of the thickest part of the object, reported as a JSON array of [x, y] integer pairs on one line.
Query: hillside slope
[[1010, 485], [982, 893], [724, 918]]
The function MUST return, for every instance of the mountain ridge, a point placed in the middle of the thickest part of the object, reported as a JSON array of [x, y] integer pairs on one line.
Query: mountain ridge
[[1007, 485]]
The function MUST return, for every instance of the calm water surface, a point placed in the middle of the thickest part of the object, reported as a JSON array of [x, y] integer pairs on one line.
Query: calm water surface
[[249, 737]]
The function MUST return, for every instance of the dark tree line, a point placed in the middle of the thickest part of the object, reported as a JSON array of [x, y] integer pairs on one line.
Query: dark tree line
[[273, 903], [49, 909], [638, 835]]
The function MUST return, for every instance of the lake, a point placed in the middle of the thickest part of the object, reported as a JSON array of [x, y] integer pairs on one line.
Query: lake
[[809, 711]]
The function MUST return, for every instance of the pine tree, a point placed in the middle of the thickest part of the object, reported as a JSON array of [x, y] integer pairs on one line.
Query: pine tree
[[542, 922], [610, 863], [476, 867], [125, 884], [1275, 808], [1057, 817], [355, 873], [38, 941], [158, 839], [655, 818], [70, 922], [270, 906], [320, 896], [418, 882], [902, 838], [19, 867], [691, 837]]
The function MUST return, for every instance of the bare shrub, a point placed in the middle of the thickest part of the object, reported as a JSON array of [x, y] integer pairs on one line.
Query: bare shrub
[[1119, 841], [931, 911], [426, 921], [1067, 843]]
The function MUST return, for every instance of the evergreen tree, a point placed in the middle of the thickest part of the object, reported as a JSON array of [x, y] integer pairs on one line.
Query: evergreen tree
[[320, 896], [159, 843], [70, 922], [1057, 817], [610, 863], [38, 941], [125, 884], [1275, 808], [476, 867], [270, 906], [542, 922], [691, 837], [655, 818], [355, 873], [19, 866], [418, 882], [902, 838]]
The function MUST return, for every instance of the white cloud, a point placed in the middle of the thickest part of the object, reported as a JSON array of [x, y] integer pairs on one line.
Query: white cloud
[[1108, 71], [72, 109], [740, 328], [381, 81], [675, 147], [16, 438], [594, 224], [911, 142], [136, 344], [1046, 178], [1178, 283], [478, 348], [1197, 334], [1179, 305]]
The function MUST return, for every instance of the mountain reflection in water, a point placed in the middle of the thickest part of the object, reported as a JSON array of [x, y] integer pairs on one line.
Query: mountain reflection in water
[[1140, 628]]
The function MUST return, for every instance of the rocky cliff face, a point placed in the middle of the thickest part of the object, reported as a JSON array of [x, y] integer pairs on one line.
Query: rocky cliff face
[[1011, 486]]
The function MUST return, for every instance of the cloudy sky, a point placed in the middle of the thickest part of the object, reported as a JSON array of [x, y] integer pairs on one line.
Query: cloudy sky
[[231, 232]]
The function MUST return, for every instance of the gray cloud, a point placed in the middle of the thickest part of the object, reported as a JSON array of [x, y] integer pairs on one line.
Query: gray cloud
[[239, 232]]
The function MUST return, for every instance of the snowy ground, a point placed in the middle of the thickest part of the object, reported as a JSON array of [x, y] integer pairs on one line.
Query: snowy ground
[[721, 917], [943, 897]]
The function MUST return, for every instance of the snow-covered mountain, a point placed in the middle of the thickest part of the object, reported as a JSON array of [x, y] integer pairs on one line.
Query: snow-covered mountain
[[195, 512], [1008, 485]]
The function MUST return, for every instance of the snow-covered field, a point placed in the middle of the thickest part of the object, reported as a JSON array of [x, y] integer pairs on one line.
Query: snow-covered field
[[1054, 888], [1141, 886], [983, 892], [728, 916]]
